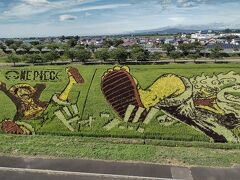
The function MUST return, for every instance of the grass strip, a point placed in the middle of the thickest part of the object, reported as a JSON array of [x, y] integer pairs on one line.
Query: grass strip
[[163, 152]]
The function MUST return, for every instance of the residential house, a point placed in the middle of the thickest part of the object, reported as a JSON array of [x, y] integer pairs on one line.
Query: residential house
[[226, 48], [159, 50], [148, 45], [34, 50], [60, 51], [21, 51], [169, 41], [46, 50], [9, 50], [211, 41]]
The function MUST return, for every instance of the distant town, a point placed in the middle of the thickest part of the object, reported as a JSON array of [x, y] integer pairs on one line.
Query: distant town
[[200, 45]]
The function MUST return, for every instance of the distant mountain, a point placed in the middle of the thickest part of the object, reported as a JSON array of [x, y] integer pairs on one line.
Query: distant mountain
[[166, 31], [188, 28]]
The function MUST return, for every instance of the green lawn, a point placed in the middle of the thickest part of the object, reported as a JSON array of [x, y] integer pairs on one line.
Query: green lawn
[[3, 59], [116, 150], [96, 103]]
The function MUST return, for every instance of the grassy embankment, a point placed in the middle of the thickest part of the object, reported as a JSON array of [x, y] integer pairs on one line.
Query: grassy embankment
[[116, 150]]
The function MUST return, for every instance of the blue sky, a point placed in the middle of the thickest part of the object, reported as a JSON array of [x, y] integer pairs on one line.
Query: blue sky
[[24, 18]]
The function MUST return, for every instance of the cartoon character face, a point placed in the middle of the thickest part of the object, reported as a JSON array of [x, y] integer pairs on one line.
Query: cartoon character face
[[23, 91], [12, 75], [206, 92]]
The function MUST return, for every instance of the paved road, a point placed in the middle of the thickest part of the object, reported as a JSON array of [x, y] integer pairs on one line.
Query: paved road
[[30, 174], [17, 168]]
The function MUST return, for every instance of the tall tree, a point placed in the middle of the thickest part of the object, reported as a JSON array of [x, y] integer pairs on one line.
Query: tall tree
[[13, 46], [119, 54], [39, 46], [139, 54], [72, 42], [92, 47], [13, 59], [26, 47], [53, 46], [71, 54], [117, 42], [197, 47], [35, 58], [82, 55], [107, 43], [155, 56], [3, 47], [50, 56], [168, 47], [186, 48], [8, 42], [216, 52], [102, 54], [175, 55]]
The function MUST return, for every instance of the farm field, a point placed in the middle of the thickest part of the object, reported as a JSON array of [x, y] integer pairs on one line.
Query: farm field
[[88, 112]]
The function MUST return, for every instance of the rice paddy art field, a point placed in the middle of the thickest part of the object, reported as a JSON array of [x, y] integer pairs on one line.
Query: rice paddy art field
[[167, 102]]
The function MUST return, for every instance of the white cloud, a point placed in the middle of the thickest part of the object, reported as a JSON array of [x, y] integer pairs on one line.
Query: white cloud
[[166, 2], [22, 10], [29, 7], [177, 19], [32, 7], [98, 7], [36, 2], [87, 14], [67, 17], [190, 3]]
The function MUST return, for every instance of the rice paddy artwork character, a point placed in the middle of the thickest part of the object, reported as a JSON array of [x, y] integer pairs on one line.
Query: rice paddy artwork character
[[210, 104], [26, 99], [74, 77], [60, 106]]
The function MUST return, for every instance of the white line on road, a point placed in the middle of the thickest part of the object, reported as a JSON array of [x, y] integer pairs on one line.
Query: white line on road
[[51, 172]]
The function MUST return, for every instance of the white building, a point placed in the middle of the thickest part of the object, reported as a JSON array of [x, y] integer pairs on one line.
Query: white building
[[230, 34], [235, 41], [203, 36]]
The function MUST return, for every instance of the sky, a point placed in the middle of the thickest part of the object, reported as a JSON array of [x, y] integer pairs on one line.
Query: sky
[[28, 18]]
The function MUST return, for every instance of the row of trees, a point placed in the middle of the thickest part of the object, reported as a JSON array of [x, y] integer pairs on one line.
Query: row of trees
[[27, 47], [120, 54], [34, 58], [71, 43], [191, 50], [81, 55]]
